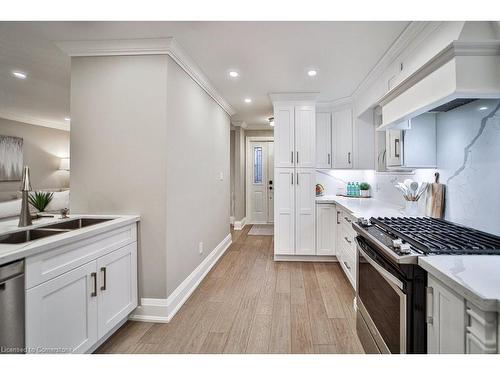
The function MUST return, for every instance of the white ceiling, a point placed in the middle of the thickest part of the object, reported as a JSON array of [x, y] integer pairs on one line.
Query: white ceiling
[[270, 56]]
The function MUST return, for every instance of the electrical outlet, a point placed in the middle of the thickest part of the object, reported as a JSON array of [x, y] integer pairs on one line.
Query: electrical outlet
[[221, 176], [200, 248]]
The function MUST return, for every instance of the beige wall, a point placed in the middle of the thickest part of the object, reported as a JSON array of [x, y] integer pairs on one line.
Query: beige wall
[[42, 149], [198, 151], [118, 150]]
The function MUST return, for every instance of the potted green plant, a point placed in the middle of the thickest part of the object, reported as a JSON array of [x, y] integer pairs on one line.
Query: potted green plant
[[40, 200], [364, 189]]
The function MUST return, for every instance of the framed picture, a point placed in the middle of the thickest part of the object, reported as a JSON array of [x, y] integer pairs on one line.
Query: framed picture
[[11, 158]]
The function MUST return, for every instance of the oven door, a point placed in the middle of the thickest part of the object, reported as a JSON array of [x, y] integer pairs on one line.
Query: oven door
[[381, 301]]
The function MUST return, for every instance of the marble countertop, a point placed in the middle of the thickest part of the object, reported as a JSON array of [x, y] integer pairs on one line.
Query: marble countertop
[[12, 252], [363, 207], [475, 277]]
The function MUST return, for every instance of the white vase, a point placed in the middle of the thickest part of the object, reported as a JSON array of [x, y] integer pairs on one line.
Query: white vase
[[411, 208]]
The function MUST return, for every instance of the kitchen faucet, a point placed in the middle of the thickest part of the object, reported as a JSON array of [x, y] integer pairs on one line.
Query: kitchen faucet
[[25, 215]]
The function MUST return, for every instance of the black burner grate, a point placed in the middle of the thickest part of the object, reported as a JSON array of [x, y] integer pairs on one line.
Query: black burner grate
[[435, 236]]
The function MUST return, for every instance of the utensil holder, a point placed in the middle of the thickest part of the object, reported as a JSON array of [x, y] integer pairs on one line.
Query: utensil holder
[[411, 208]]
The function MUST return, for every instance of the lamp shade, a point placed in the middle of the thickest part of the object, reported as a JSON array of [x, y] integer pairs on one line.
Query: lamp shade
[[64, 164]]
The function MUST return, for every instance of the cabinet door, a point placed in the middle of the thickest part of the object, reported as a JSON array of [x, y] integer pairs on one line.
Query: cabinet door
[[305, 205], [323, 140], [326, 228], [445, 319], [62, 313], [284, 136], [284, 211], [393, 146], [305, 139], [117, 286], [342, 138]]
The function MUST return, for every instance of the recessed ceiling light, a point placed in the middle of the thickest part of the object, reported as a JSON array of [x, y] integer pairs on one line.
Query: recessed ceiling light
[[19, 75], [483, 108], [248, 100], [234, 74], [67, 119], [312, 73]]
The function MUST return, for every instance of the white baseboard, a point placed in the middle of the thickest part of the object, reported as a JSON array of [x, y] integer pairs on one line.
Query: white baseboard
[[305, 258], [163, 310], [239, 225], [231, 219]]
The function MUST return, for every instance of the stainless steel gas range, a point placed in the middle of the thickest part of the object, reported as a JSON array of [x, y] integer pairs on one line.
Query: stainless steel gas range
[[391, 287]]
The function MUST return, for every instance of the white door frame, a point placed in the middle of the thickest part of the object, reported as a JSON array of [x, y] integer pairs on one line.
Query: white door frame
[[248, 169]]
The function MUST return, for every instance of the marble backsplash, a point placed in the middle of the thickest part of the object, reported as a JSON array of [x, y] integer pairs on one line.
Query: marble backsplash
[[468, 160]]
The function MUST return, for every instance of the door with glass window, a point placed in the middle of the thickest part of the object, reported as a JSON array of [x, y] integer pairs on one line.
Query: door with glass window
[[261, 183]]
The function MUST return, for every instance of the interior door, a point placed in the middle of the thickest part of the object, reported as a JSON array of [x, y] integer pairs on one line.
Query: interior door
[[259, 183], [270, 179]]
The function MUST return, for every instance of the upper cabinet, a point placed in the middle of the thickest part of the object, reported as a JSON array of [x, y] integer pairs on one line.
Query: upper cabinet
[[323, 140], [342, 131], [294, 133]]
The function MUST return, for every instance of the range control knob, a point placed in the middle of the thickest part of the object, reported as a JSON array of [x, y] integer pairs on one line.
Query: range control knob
[[397, 243], [405, 248]]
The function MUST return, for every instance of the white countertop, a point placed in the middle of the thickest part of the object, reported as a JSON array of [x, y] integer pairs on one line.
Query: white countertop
[[11, 252], [475, 277], [363, 207]]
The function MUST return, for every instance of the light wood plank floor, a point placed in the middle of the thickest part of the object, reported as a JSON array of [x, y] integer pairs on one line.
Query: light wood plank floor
[[249, 303]]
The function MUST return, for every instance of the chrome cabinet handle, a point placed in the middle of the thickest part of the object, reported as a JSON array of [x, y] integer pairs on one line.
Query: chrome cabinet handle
[[93, 275], [346, 219], [338, 213], [291, 180], [429, 293], [103, 270], [297, 178], [347, 239], [329, 159], [297, 157], [349, 158], [347, 266], [291, 157], [396, 147]]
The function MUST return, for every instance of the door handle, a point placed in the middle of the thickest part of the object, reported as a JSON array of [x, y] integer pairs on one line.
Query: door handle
[[103, 270], [93, 275], [349, 158]]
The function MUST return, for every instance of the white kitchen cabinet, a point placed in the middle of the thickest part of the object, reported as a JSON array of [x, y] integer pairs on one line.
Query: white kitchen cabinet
[[61, 314], [284, 136], [79, 306], [305, 139], [346, 247], [305, 204], [445, 319], [323, 140], [284, 211], [342, 144], [117, 294], [326, 229]]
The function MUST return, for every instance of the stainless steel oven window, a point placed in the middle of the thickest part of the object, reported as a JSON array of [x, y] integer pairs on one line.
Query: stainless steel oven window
[[382, 304]]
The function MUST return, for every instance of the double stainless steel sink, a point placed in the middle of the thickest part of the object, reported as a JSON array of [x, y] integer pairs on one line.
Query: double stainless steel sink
[[49, 230]]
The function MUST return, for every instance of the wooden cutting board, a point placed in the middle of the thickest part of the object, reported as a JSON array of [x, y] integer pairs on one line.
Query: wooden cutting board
[[435, 199]]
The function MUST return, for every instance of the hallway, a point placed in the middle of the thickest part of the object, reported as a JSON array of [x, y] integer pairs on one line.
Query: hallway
[[250, 304]]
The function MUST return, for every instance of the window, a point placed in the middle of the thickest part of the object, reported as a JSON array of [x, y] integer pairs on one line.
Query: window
[[257, 165]]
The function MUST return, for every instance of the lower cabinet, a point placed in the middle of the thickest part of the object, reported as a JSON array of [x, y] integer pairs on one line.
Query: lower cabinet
[[346, 247], [73, 311], [457, 326], [326, 229]]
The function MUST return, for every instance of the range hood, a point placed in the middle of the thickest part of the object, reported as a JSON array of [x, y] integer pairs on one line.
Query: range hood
[[462, 72]]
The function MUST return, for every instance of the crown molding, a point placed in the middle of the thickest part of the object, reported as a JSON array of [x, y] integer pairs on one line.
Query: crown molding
[[333, 104], [151, 46], [33, 121], [239, 124], [293, 96]]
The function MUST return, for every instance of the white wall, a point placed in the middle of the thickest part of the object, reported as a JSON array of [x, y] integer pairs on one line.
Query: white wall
[[198, 149], [43, 149], [118, 150]]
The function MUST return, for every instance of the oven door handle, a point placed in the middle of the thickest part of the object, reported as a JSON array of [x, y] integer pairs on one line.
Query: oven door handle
[[385, 274]]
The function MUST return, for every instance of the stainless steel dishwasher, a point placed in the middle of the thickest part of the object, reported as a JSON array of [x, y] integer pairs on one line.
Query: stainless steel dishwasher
[[12, 307]]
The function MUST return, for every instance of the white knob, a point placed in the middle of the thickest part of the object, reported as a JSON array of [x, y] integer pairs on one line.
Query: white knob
[[397, 242]]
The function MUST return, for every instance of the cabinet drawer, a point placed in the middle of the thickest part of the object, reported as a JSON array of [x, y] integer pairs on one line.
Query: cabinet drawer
[[347, 261], [347, 220], [46, 266], [347, 241]]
